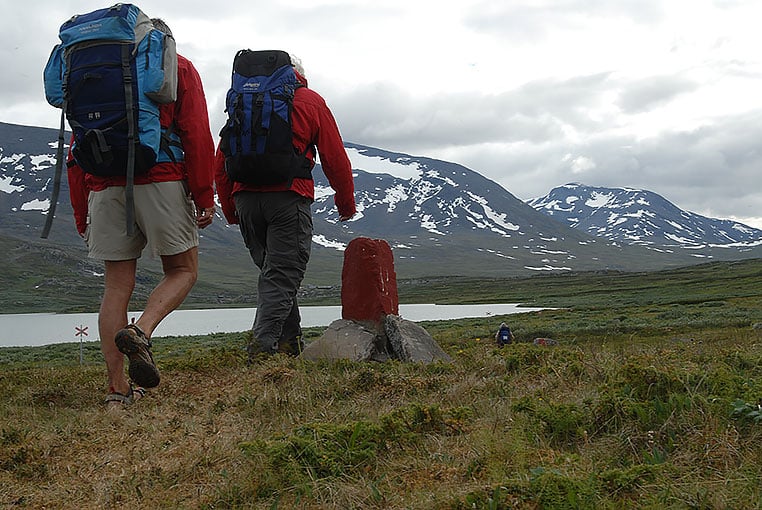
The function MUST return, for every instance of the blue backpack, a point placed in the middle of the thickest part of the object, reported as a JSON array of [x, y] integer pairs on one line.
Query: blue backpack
[[109, 74], [257, 139], [504, 336]]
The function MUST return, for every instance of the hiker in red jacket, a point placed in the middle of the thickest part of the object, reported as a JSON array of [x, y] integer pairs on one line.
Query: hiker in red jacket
[[172, 201], [276, 221]]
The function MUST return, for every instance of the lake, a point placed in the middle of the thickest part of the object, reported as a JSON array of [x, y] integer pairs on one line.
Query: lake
[[33, 329]]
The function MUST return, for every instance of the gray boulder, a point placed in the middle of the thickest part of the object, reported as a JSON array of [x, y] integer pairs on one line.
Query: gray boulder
[[397, 339], [410, 342], [342, 339]]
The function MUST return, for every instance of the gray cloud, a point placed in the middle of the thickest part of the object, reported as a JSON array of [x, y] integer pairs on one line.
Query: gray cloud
[[386, 115], [649, 93], [539, 127], [703, 170], [527, 23]]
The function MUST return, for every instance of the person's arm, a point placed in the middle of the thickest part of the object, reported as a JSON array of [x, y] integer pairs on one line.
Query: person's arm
[[224, 189], [191, 121], [336, 164]]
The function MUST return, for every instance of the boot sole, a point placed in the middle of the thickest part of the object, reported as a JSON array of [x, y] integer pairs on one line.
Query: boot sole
[[141, 372]]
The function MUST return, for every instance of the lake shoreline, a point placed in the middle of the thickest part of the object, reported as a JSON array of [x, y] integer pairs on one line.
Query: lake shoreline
[[37, 329]]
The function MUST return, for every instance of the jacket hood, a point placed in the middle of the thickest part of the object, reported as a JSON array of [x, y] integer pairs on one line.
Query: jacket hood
[[301, 79]]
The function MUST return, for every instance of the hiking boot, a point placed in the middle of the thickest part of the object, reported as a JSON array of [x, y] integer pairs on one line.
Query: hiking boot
[[293, 347], [257, 352], [133, 342]]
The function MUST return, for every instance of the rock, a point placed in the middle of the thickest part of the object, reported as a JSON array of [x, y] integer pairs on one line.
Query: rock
[[368, 282], [370, 327], [343, 339], [410, 342]]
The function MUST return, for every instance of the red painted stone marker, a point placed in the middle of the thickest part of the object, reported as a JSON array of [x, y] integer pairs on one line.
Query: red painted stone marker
[[368, 281]]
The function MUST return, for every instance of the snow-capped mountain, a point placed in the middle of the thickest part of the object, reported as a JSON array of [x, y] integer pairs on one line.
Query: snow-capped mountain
[[440, 219], [641, 217]]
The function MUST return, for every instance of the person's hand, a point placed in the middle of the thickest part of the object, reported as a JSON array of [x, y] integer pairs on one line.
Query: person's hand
[[204, 217], [345, 218]]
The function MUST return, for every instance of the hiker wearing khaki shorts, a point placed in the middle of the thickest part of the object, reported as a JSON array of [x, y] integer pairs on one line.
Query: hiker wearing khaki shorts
[[171, 202]]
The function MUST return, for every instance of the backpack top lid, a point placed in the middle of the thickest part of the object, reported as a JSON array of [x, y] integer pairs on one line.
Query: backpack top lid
[[120, 22], [260, 63]]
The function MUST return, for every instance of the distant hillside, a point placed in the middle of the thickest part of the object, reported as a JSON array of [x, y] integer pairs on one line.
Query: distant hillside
[[440, 218]]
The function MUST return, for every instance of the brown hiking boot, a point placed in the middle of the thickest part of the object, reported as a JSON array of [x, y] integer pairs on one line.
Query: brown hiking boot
[[292, 347], [133, 342]]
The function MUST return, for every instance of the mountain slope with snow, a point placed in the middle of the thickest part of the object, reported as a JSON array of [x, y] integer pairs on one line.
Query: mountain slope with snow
[[440, 219], [640, 217]]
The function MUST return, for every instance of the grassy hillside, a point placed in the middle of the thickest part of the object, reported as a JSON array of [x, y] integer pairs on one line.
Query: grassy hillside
[[650, 400], [42, 277]]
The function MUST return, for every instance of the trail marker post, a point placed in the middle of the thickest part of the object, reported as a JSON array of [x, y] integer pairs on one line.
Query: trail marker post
[[80, 331]]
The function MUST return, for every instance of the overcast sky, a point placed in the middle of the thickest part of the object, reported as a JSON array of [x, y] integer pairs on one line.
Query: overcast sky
[[664, 95]]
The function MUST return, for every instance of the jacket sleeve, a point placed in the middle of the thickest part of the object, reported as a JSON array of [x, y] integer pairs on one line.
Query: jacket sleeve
[[78, 193], [335, 162], [224, 189], [192, 125]]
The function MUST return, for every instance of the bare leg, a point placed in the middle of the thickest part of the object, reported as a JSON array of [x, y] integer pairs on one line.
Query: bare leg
[[180, 273], [119, 284]]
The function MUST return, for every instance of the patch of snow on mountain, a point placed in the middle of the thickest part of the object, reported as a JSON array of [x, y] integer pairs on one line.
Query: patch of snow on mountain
[[426, 190], [42, 161], [322, 192], [12, 159], [742, 228], [36, 205], [496, 253], [749, 244], [675, 225], [395, 195], [555, 205], [379, 165], [499, 218], [547, 268], [598, 200], [615, 220], [7, 187], [642, 201], [678, 239], [436, 175], [428, 223], [324, 241], [640, 214]]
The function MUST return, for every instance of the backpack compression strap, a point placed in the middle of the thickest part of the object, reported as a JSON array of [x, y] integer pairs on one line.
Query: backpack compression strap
[[170, 145], [129, 189]]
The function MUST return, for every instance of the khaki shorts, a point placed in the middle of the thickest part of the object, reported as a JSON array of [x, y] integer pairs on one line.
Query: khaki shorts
[[165, 219]]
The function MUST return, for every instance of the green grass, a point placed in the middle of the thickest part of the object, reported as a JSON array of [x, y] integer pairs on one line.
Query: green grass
[[651, 399]]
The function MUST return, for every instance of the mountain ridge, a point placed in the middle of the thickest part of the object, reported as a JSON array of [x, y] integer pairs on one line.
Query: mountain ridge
[[440, 218], [642, 217]]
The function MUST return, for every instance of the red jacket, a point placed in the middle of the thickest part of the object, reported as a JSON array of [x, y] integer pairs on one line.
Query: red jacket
[[311, 120], [191, 120]]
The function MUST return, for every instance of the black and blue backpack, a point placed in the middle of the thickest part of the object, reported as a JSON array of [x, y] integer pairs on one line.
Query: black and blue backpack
[[109, 74], [257, 139], [504, 336]]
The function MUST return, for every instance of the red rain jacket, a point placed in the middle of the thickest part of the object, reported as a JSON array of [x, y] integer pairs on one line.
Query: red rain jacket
[[191, 120], [311, 121]]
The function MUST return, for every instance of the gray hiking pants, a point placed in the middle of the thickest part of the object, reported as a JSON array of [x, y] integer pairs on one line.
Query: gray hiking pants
[[277, 229]]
